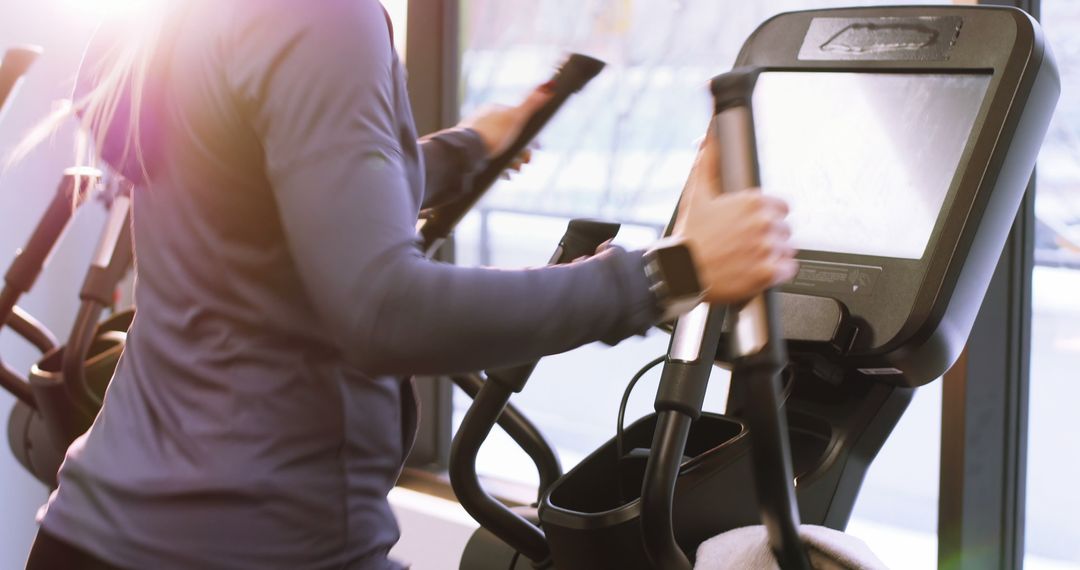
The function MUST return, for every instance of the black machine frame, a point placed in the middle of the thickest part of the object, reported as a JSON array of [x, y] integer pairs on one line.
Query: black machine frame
[[902, 305], [982, 481], [974, 509], [984, 414]]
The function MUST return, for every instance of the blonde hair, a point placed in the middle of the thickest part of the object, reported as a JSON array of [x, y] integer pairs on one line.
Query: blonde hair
[[118, 72]]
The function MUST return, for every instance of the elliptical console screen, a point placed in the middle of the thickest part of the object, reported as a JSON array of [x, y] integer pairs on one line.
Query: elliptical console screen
[[865, 160]]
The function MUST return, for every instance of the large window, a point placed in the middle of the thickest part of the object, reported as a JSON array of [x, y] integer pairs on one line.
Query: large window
[[1053, 453], [621, 150], [62, 28]]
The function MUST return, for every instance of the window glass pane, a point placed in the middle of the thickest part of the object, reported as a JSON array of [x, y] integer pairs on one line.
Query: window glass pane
[[621, 150], [398, 10], [1053, 535]]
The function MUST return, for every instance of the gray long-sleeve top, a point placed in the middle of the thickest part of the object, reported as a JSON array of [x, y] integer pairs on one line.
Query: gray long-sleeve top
[[258, 417]]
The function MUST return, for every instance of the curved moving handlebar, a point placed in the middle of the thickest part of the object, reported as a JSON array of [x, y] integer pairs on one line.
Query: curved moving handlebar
[[570, 78], [26, 326], [491, 398], [524, 433], [582, 238]]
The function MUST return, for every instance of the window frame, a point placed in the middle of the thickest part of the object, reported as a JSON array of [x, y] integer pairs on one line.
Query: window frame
[[984, 421], [432, 62]]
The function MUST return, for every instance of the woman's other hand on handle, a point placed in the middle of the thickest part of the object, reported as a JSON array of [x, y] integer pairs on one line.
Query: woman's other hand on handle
[[499, 125]]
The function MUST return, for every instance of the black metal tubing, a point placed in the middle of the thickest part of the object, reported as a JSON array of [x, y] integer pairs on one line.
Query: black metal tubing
[[8, 297], [491, 404], [771, 454], [984, 427], [75, 352], [16, 385], [33, 331], [520, 534], [524, 433], [658, 492], [678, 404], [10, 380], [26, 326], [112, 260], [762, 356]]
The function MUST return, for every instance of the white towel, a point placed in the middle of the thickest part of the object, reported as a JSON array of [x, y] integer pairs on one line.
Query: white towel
[[747, 549]]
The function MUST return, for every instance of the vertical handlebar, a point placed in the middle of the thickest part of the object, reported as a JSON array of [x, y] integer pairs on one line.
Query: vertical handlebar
[[760, 354], [111, 261]]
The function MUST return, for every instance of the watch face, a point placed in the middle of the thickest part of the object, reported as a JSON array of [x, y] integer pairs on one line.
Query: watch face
[[678, 271]]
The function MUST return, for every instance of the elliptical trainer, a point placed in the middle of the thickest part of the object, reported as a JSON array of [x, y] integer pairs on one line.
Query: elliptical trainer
[[904, 138]]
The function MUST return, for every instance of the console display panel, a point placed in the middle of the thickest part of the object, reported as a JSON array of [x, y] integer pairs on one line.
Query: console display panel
[[864, 159]]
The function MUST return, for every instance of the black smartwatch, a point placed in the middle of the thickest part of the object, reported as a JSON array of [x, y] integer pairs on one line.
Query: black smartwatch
[[673, 278]]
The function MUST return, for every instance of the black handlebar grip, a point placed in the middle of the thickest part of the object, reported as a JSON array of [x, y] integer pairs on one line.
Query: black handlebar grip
[[570, 78], [733, 89], [582, 237]]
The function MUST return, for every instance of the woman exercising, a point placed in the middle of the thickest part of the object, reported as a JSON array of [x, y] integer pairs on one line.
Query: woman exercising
[[260, 413]]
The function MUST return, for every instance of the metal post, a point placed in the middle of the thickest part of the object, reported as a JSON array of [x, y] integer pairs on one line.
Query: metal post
[[981, 506], [984, 423], [485, 237], [432, 60]]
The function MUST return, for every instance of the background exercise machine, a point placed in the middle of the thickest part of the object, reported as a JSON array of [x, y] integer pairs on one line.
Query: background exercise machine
[[63, 393]]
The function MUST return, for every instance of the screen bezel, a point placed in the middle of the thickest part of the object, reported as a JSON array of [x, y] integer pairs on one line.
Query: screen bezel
[[895, 291], [912, 298]]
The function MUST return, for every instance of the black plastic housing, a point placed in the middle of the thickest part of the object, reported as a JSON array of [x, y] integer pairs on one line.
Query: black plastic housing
[[913, 324], [591, 515], [855, 358]]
